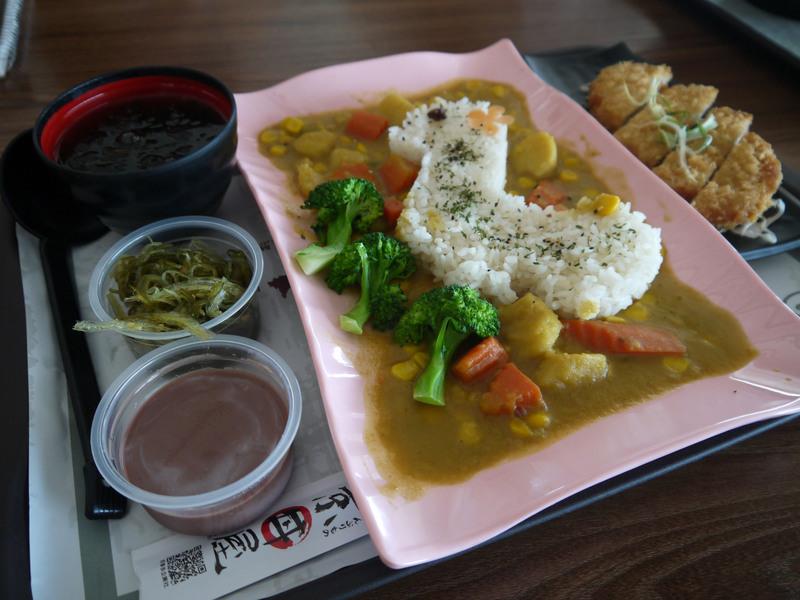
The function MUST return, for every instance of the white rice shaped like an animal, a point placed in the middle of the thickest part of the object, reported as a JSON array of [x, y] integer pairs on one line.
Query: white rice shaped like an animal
[[463, 226]]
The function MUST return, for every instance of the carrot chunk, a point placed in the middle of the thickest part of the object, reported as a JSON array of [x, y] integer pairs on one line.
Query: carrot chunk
[[366, 125], [625, 338], [480, 360], [359, 170], [545, 194], [398, 174], [511, 391], [392, 207]]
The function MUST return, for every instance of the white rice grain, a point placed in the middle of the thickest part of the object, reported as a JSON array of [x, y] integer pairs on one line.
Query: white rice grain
[[466, 229]]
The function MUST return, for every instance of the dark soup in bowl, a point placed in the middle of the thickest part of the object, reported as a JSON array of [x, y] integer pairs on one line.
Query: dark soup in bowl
[[141, 145], [138, 135]]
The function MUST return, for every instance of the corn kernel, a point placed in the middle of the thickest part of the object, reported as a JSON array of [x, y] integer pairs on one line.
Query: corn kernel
[[571, 162], [591, 192], [292, 125], [606, 204], [411, 349], [361, 148], [636, 311], [277, 150], [525, 182], [343, 139], [268, 136], [520, 428], [676, 364], [320, 167], [406, 370], [587, 309], [499, 91], [469, 433], [538, 420], [284, 138], [568, 176], [614, 319], [421, 359], [585, 204]]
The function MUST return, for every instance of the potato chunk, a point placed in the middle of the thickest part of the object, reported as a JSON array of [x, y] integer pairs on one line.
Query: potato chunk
[[307, 177], [394, 107], [536, 154], [345, 156], [529, 326], [561, 370], [315, 144]]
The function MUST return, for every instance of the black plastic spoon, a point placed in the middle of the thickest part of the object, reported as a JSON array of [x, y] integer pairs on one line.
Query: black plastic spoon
[[41, 204]]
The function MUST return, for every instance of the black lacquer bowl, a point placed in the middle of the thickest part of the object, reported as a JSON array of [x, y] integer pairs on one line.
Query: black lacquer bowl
[[125, 200]]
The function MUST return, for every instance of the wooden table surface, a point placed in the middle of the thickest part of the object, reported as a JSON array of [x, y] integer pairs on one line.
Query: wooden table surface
[[726, 526]]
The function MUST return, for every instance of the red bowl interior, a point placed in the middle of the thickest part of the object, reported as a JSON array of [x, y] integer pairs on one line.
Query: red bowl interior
[[120, 91]]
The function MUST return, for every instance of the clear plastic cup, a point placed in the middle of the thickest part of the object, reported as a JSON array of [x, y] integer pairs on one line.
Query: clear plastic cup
[[218, 511], [218, 235]]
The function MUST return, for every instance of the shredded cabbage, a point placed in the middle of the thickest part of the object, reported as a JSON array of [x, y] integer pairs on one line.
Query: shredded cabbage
[[759, 229]]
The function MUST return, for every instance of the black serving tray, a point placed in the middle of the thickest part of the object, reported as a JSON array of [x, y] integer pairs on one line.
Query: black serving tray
[[568, 70]]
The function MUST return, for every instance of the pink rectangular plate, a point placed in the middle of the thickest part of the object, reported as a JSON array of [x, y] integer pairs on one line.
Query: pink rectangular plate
[[448, 519]]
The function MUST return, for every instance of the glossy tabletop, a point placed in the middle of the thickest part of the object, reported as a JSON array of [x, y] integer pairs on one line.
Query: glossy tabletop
[[728, 525]]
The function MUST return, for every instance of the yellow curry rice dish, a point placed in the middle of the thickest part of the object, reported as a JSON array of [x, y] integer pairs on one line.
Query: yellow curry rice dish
[[502, 294]]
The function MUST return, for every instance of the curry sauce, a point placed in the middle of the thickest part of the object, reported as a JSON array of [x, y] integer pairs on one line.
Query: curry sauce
[[449, 444]]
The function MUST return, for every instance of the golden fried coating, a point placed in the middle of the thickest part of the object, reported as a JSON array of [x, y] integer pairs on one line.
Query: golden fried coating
[[743, 186], [608, 101], [641, 134], [731, 126]]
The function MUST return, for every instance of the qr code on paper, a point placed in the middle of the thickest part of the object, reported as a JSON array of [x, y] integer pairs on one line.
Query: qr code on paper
[[180, 567]]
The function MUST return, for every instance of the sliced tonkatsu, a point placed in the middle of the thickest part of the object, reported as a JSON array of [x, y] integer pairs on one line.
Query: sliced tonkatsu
[[621, 89], [646, 134], [742, 188], [686, 170]]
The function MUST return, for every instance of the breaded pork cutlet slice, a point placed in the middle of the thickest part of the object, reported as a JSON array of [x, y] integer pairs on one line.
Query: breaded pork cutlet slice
[[688, 180], [743, 186], [641, 134], [609, 101]]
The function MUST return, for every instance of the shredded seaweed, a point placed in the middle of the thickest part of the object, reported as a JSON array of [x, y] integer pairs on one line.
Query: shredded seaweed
[[168, 287]]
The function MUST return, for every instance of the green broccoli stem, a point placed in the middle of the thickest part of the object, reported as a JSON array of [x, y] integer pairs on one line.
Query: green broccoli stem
[[353, 321], [430, 385], [314, 258]]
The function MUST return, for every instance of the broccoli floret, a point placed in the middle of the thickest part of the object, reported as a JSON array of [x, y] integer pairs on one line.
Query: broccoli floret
[[343, 206], [345, 270], [375, 261], [448, 315], [386, 306]]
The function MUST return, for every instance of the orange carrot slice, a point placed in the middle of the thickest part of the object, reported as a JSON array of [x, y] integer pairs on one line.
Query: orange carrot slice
[[546, 194], [511, 391], [392, 207], [624, 338], [398, 174], [483, 358], [366, 125]]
